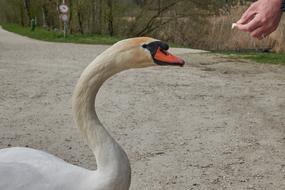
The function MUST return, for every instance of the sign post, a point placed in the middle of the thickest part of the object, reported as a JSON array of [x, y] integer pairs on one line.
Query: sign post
[[63, 8]]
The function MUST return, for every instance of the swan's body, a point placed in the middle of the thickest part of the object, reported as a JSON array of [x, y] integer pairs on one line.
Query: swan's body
[[30, 169]]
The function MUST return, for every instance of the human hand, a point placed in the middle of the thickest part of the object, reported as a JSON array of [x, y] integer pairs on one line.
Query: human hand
[[261, 18]]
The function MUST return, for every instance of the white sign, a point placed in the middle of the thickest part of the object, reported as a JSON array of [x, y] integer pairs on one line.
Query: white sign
[[64, 17], [63, 8]]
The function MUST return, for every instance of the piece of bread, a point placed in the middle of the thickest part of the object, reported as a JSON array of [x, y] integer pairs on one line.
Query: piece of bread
[[234, 25]]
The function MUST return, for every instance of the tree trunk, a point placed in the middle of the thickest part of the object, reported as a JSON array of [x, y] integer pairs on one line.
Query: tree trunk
[[27, 10], [60, 24], [93, 17], [80, 22], [22, 19], [98, 13], [45, 15], [70, 16], [110, 17]]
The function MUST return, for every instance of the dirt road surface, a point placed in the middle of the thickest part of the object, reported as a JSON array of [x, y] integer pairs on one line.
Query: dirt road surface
[[213, 124]]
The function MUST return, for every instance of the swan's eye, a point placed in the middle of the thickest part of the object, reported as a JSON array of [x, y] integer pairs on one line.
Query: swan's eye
[[164, 46], [160, 55], [144, 45], [152, 47]]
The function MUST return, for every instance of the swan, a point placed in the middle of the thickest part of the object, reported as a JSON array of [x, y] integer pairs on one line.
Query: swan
[[30, 169]]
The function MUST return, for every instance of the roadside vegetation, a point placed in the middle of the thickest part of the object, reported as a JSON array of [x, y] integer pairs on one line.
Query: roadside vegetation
[[259, 57], [56, 36]]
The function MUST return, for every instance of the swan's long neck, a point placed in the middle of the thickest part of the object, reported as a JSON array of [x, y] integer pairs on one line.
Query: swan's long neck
[[110, 157]]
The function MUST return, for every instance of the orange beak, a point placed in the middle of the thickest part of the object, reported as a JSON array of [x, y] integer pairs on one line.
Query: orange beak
[[162, 57]]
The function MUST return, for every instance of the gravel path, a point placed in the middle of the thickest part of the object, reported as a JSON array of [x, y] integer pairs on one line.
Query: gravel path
[[213, 124]]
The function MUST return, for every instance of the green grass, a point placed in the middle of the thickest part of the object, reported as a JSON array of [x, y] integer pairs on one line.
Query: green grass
[[259, 57], [55, 36]]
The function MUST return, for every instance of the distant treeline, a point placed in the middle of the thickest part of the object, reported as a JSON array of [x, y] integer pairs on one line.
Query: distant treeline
[[113, 17]]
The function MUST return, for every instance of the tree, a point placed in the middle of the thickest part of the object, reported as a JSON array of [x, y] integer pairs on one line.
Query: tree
[[110, 17], [27, 9]]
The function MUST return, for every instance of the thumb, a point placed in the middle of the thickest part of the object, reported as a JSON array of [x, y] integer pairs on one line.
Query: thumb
[[239, 26]]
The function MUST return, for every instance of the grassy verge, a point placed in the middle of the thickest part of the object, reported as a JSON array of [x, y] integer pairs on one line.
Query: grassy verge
[[55, 36], [259, 57]]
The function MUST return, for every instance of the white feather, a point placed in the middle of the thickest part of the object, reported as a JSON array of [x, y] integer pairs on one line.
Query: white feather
[[30, 169]]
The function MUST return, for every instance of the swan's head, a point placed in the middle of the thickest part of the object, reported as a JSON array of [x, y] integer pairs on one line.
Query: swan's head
[[144, 52]]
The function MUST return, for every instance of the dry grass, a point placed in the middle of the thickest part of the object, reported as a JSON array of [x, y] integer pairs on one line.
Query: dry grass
[[215, 33], [223, 37]]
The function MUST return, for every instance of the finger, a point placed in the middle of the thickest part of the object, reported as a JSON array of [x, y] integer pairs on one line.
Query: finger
[[248, 15], [251, 26], [259, 33]]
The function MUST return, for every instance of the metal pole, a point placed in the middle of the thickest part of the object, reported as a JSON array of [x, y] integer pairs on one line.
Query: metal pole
[[64, 33], [64, 28]]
